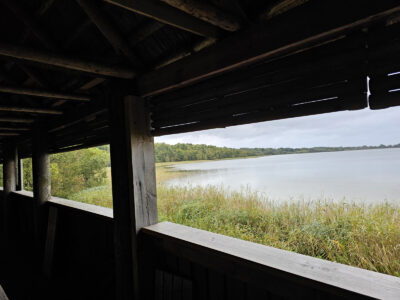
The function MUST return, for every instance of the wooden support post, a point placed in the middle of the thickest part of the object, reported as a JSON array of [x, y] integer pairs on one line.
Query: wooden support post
[[134, 188], [41, 182], [9, 182], [20, 174]]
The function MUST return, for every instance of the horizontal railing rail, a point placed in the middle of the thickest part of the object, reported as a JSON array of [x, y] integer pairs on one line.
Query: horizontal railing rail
[[271, 267]]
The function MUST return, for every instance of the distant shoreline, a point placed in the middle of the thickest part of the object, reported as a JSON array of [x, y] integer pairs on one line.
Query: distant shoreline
[[168, 165]]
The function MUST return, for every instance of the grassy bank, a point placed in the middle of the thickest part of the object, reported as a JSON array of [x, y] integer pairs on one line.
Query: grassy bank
[[366, 236]]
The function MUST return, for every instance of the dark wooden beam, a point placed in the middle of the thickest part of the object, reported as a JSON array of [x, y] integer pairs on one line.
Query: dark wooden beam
[[134, 188], [9, 134], [280, 8], [270, 40], [43, 93], [31, 110], [109, 30], [169, 15], [20, 173], [16, 120], [71, 63], [206, 12], [9, 182], [14, 128]]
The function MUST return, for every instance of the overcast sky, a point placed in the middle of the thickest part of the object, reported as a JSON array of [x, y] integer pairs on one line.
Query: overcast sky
[[349, 128]]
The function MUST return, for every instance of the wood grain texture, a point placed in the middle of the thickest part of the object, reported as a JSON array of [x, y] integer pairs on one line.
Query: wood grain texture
[[206, 12], [57, 60], [268, 41], [273, 268], [168, 15], [134, 187]]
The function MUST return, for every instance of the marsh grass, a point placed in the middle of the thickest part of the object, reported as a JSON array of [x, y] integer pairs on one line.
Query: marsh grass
[[365, 236], [361, 235]]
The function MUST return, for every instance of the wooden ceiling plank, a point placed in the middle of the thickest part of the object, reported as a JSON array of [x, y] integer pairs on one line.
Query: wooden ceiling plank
[[267, 41], [169, 15], [206, 12], [61, 61], [43, 93]]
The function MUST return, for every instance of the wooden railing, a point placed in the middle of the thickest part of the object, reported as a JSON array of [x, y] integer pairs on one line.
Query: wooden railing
[[221, 267], [177, 262]]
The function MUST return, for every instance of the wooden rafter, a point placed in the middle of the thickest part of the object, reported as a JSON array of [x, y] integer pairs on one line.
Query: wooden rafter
[[207, 13], [43, 93], [71, 63], [267, 41], [169, 15], [112, 34], [31, 110], [16, 120], [14, 128]]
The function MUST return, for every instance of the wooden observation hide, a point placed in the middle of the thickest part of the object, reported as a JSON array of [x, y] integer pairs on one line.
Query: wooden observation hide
[[82, 73]]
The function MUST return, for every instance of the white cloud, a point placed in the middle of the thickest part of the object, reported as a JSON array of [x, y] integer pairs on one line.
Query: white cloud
[[349, 128]]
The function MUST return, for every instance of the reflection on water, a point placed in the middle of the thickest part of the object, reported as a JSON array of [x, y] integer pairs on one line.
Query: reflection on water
[[364, 175]]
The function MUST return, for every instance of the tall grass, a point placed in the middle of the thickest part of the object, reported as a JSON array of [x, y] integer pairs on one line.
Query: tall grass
[[365, 236], [361, 235]]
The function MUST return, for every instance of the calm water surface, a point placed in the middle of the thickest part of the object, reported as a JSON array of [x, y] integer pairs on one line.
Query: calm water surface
[[364, 175]]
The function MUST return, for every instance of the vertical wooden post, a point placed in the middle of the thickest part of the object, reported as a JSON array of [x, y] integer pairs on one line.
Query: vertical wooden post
[[9, 182], [20, 174], [134, 187], [41, 182]]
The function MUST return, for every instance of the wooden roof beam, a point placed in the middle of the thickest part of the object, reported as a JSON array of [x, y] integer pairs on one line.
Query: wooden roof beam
[[111, 33], [16, 120], [14, 129], [71, 63], [206, 12], [269, 40], [9, 134], [30, 110], [42, 93], [164, 13]]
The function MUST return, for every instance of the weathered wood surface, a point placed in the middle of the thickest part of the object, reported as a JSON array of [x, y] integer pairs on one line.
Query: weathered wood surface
[[134, 187], [42, 93], [168, 15], [109, 30], [16, 120], [20, 173], [41, 184], [31, 110], [280, 272], [10, 156], [206, 12], [57, 60], [268, 41]]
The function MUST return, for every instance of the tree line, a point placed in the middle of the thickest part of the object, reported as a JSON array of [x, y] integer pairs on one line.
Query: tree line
[[72, 172], [183, 152]]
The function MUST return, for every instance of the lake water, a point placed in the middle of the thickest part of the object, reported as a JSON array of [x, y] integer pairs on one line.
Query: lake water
[[364, 175]]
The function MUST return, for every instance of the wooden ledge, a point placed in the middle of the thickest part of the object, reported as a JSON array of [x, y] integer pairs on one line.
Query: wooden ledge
[[71, 204], [93, 209], [236, 255]]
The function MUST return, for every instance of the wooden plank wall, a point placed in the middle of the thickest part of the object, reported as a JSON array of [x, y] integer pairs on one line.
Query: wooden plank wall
[[181, 279], [326, 78], [82, 249]]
